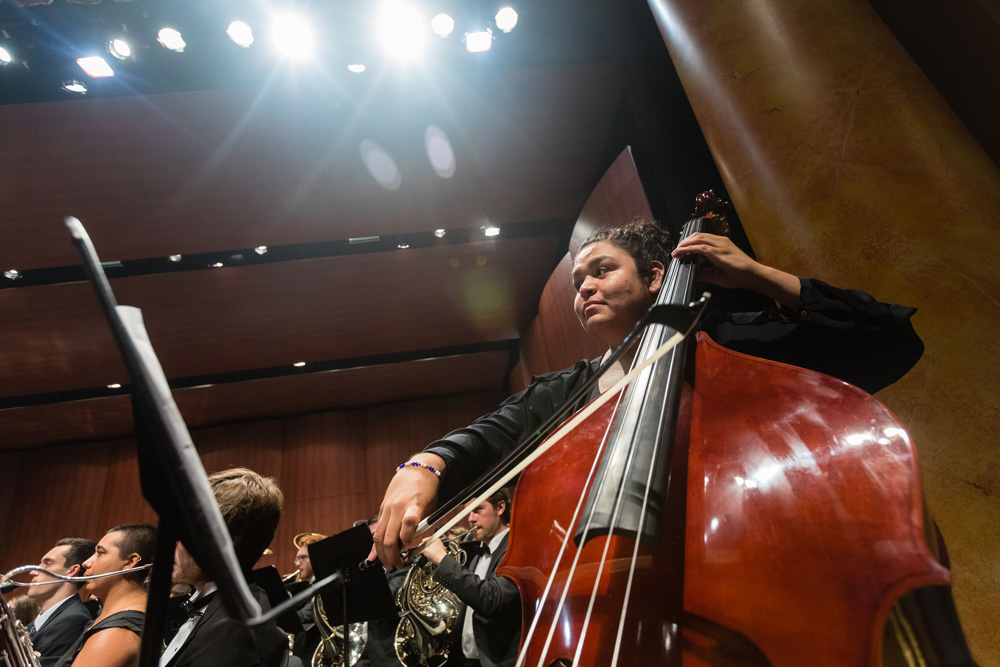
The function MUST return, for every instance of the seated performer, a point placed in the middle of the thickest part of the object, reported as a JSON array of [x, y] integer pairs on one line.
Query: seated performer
[[251, 507], [62, 617], [114, 637], [491, 628], [617, 274], [25, 609]]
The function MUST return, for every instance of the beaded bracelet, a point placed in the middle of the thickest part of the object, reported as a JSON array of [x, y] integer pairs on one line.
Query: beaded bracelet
[[418, 464]]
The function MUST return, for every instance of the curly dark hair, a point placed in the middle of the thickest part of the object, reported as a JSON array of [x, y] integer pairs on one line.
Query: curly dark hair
[[644, 241]]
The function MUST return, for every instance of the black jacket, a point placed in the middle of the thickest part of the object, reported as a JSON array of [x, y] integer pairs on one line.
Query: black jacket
[[497, 603], [843, 333], [61, 631], [219, 640]]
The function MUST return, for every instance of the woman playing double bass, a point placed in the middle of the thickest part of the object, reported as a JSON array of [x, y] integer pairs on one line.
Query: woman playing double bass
[[617, 275]]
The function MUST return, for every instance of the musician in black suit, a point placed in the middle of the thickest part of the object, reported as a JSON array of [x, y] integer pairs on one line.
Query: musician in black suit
[[491, 624], [251, 507], [62, 617]]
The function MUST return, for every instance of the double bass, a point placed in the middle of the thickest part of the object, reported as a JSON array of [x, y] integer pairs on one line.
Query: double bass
[[761, 515]]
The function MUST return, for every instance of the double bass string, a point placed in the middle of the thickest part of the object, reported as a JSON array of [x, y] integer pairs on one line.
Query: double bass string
[[562, 551], [633, 398]]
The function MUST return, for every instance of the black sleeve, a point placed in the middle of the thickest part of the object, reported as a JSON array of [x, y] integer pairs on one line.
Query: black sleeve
[[488, 597], [843, 333], [469, 452]]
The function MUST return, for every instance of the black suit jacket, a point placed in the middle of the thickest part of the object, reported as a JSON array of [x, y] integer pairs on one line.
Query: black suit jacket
[[62, 629], [497, 603], [219, 640]]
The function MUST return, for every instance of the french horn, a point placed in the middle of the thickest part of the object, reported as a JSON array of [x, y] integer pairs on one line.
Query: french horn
[[330, 650], [429, 612]]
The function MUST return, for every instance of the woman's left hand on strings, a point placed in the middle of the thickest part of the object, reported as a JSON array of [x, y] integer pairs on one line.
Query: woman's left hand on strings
[[733, 268]]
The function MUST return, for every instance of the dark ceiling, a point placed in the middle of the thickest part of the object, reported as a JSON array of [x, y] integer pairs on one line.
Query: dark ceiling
[[208, 167]]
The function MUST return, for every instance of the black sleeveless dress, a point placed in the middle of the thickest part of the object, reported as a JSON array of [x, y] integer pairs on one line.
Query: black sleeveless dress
[[129, 619]]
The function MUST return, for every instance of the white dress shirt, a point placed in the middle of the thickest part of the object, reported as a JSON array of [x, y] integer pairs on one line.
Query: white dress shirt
[[175, 645], [47, 614], [482, 567]]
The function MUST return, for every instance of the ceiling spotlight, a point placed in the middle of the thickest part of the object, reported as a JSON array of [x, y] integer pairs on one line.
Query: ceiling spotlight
[[505, 19], [95, 67], [74, 86], [491, 230], [479, 41], [403, 246], [114, 385], [357, 68], [260, 250], [299, 364], [12, 274], [5, 56], [171, 39], [216, 265], [442, 25], [402, 31], [439, 233], [120, 49], [240, 33], [292, 36], [174, 258]]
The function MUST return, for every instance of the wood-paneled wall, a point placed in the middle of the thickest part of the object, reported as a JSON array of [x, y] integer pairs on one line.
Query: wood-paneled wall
[[332, 468]]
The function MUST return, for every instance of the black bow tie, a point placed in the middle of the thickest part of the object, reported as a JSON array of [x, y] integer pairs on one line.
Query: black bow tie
[[477, 549], [196, 607]]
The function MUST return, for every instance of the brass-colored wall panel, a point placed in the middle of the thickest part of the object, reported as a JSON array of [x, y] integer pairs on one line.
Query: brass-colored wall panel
[[844, 163]]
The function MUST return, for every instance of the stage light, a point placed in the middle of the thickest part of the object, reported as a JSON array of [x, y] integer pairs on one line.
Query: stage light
[[442, 25], [12, 274], [120, 49], [175, 258], [240, 33], [260, 250], [171, 39], [357, 68], [5, 56], [115, 385], [292, 36], [505, 19], [478, 42], [74, 86], [439, 233], [216, 265], [491, 230], [299, 364], [95, 67], [402, 32]]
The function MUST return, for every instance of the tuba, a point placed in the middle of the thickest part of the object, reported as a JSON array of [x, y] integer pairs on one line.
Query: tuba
[[429, 612]]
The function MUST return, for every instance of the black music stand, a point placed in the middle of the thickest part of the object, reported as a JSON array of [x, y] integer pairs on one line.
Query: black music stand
[[173, 479], [365, 595]]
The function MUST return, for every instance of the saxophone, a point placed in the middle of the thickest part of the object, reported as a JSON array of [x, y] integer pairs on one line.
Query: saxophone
[[429, 612]]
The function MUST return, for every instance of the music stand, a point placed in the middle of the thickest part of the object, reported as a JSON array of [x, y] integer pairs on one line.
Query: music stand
[[365, 595], [172, 477]]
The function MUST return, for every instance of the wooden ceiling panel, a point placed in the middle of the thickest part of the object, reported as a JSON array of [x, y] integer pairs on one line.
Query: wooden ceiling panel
[[224, 170], [233, 319], [109, 418]]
